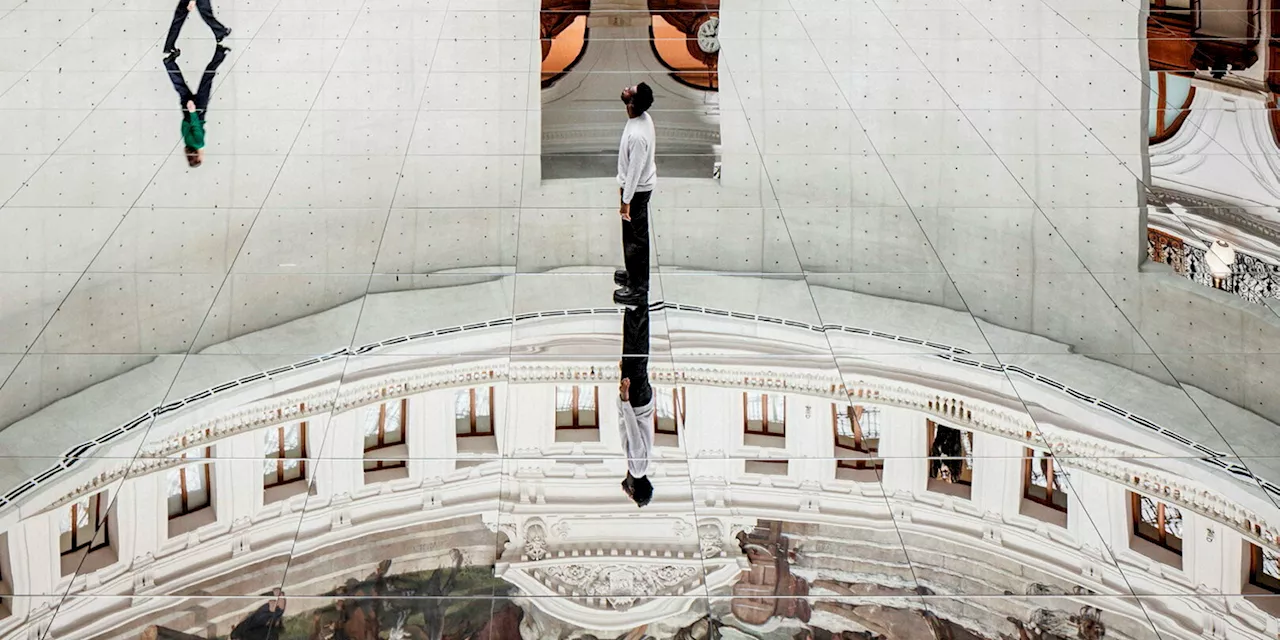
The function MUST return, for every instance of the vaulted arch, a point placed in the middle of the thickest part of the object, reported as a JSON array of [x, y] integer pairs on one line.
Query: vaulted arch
[[684, 37], [1171, 97], [564, 34]]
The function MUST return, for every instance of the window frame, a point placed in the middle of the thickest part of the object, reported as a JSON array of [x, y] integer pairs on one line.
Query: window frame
[[207, 467], [964, 468], [1160, 540], [678, 399], [764, 415], [281, 458], [379, 464], [1050, 473], [1257, 577], [575, 416], [472, 415], [101, 523], [1189, 16], [872, 461]]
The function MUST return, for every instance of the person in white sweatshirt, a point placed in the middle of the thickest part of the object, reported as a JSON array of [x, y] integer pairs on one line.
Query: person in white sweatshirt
[[636, 404], [637, 176]]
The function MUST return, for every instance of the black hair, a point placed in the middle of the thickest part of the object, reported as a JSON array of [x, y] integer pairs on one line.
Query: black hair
[[642, 100], [642, 491], [193, 160]]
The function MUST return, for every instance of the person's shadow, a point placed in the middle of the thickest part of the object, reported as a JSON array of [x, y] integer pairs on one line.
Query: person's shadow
[[195, 107]]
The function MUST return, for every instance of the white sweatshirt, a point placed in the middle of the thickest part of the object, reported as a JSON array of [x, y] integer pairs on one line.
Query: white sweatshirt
[[636, 427], [636, 169]]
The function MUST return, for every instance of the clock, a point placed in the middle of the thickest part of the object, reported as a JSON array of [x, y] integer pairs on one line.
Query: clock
[[707, 35]]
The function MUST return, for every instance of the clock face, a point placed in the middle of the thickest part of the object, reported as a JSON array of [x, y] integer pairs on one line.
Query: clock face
[[709, 35]]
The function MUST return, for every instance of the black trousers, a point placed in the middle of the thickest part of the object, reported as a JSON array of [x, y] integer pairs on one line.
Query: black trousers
[[202, 94], [205, 7], [635, 349], [635, 242]]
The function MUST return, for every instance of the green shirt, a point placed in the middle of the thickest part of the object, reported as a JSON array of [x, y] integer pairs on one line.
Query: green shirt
[[193, 130]]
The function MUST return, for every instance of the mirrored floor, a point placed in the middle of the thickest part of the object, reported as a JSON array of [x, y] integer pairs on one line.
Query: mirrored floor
[[639, 319]]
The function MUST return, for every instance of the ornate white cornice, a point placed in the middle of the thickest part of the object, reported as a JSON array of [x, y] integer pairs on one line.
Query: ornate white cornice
[[1073, 450], [966, 412]]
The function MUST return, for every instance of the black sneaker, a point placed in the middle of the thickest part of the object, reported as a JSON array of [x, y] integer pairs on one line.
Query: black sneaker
[[224, 36], [172, 54], [629, 297], [620, 277]]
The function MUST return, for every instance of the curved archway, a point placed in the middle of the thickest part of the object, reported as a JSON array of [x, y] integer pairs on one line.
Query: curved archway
[[564, 34], [1171, 97], [686, 42]]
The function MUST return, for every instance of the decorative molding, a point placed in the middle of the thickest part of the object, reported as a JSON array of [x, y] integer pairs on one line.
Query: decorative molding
[[710, 540], [535, 543], [1217, 210], [617, 586], [561, 529]]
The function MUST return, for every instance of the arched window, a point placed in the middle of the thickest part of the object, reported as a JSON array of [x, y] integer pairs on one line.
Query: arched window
[[1171, 97], [688, 44], [564, 36]]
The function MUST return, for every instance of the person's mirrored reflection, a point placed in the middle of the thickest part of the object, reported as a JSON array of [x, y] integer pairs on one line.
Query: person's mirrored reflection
[[636, 404], [185, 7], [195, 106]]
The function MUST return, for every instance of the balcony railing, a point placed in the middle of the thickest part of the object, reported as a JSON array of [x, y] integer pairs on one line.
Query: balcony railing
[[1252, 278]]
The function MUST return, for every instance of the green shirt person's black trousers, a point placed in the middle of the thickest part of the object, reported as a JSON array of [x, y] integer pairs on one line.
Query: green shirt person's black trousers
[[193, 124]]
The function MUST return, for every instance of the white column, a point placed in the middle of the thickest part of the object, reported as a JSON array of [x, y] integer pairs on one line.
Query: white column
[[1204, 562], [431, 437], [237, 476], [1105, 522], [142, 508], [38, 568], [997, 474], [532, 417], [714, 419], [904, 445], [341, 467], [1230, 553], [809, 434], [610, 438]]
